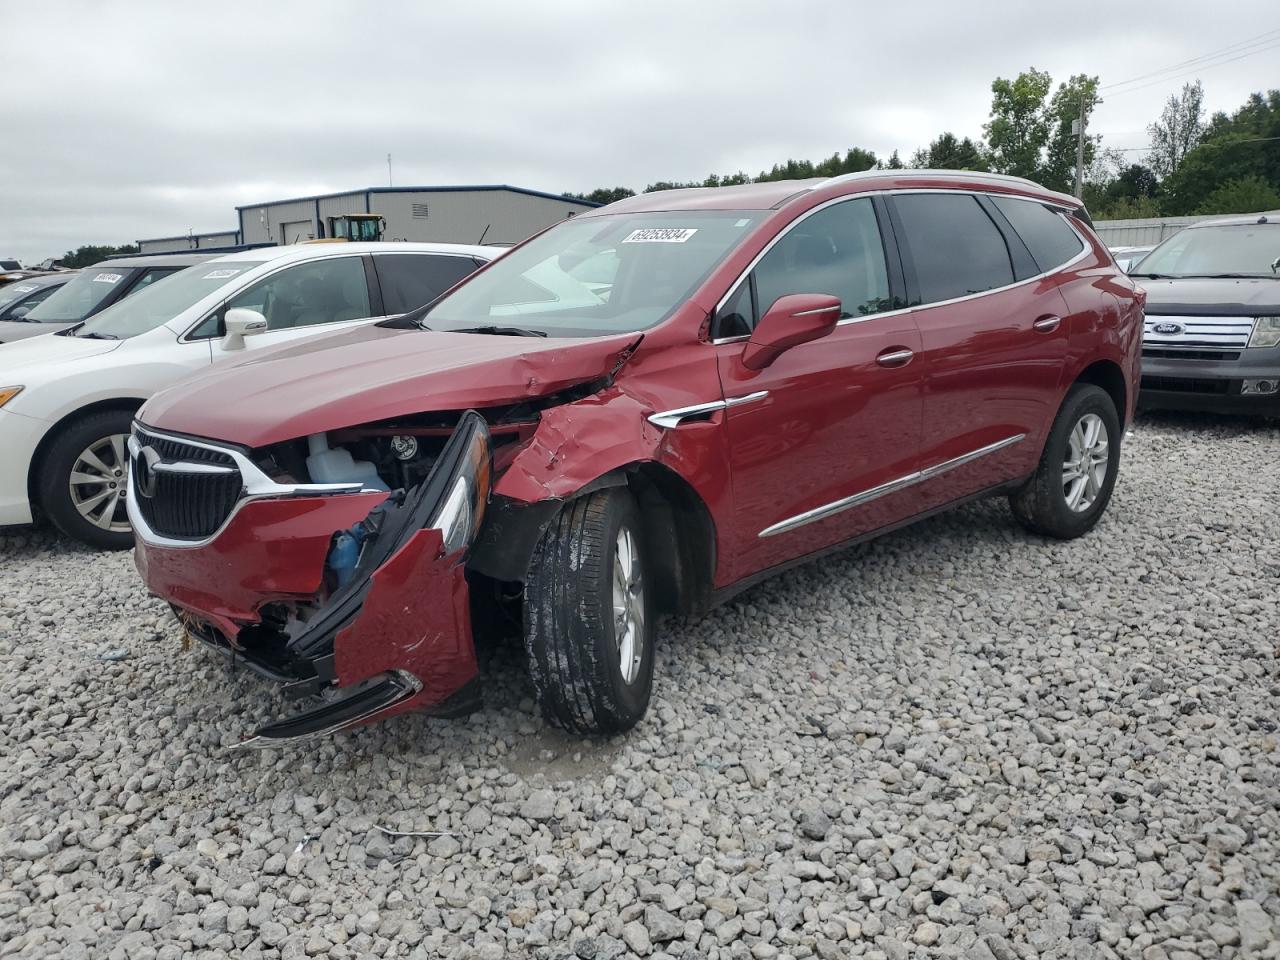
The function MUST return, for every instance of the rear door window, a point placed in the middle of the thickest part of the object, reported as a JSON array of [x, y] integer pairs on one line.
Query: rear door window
[[1047, 235], [409, 280], [955, 247]]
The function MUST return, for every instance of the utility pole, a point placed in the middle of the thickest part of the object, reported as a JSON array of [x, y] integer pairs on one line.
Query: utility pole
[[1077, 127], [388, 169]]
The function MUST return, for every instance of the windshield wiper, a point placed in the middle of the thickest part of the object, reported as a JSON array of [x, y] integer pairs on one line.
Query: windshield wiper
[[501, 331], [1229, 276], [1154, 276], [97, 335]]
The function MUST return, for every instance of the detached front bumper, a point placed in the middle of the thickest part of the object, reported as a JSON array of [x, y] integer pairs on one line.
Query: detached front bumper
[[395, 637], [1211, 385]]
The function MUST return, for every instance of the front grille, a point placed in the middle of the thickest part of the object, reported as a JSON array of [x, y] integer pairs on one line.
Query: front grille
[[185, 506], [1190, 354], [1186, 384], [1224, 333]]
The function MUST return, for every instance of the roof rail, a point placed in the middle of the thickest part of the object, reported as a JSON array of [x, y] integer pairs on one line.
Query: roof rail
[[923, 172]]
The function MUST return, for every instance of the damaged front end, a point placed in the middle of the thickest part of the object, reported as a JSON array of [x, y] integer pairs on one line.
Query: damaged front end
[[393, 631]]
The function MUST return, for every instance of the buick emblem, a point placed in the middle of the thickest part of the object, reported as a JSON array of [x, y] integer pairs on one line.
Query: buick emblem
[[1168, 328], [147, 459]]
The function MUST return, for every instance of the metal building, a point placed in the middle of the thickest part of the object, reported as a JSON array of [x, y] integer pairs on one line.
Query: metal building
[[489, 214]]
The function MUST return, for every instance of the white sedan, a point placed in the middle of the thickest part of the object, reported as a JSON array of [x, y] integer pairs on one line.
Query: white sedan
[[67, 399]]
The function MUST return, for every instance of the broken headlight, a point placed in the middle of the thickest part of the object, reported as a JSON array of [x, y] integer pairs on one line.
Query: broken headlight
[[461, 510]]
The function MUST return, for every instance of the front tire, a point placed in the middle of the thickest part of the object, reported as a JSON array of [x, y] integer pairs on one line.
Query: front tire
[[83, 479], [1077, 472], [588, 623]]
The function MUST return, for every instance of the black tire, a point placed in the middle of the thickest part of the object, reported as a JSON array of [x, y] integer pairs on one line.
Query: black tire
[[53, 478], [569, 627], [1042, 504]]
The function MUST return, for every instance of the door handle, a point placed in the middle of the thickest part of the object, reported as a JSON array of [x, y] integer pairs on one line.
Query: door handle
[[894, 357], [1046, 324]]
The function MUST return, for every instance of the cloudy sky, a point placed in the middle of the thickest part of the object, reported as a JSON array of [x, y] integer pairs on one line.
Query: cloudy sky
[[128, 120]]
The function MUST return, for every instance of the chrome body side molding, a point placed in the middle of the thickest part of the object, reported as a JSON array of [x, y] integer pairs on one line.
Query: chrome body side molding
[[893, 486], [673, 418]]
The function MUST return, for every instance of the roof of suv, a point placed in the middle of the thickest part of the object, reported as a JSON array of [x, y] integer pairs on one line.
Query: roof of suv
[[770, 195]]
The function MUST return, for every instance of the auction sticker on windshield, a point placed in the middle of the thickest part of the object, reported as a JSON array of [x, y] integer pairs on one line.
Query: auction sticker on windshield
[[219, 274], [660, 235], [107, 278]]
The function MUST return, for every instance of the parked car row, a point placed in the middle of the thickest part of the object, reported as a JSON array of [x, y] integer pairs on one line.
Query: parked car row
[[642, 410]]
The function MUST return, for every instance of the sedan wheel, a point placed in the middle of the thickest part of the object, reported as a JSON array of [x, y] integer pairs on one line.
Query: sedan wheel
[[98, 483]]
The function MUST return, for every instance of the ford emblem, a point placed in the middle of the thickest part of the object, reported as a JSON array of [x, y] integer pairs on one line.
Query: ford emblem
[[1168, 328]]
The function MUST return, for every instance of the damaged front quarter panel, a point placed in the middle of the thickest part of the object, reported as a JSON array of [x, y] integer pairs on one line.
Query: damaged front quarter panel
[[397, 636]]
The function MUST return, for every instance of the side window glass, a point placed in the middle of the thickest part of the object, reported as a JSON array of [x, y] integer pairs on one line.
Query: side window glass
[[409, 280], [151, 276], [737, 317], [836, 251], [322, 291], [1047, 235], [34, 300], [956, 248]]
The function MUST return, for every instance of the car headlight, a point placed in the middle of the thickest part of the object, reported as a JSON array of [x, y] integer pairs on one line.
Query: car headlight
[[470, 465], [1266, 333], [8, 393]]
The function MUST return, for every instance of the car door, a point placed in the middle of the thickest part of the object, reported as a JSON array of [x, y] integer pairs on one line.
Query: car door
[[409, 280], [820, 438], [298, 300], [994, 344]]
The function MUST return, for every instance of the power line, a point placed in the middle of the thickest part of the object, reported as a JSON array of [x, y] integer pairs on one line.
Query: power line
[[1207, 143], [1271, 45], [1230, 48]]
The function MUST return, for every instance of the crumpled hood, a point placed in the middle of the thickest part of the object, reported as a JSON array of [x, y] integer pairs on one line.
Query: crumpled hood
[[1200, 296], [373, 373]]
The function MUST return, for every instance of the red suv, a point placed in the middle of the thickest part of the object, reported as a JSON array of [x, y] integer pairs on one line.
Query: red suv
[[640, 411]]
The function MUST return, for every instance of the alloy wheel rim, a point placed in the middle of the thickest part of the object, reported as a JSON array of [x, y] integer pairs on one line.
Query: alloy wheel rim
[[628, 605], [1085, 469], [99, 481]]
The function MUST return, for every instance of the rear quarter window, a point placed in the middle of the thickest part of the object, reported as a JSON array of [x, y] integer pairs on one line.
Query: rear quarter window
[[1047, 235], [409, 280]]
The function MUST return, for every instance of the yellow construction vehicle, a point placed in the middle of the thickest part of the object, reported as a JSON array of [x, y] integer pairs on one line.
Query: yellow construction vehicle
[[357, 227]]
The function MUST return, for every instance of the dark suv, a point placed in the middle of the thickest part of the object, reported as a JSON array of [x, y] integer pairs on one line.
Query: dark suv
[[640, 411], [1212, 337]]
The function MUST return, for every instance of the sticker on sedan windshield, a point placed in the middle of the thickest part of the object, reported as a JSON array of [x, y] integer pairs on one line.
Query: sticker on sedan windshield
[[219, 274], [107, 278], [660, 235]]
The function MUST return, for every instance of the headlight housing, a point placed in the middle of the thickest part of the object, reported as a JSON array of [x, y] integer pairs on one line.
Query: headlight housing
[[1266, 333], [8, 393], [469, 462]]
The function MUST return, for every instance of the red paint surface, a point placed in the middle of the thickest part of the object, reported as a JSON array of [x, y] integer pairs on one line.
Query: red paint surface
[[416, 617], [271, 550]]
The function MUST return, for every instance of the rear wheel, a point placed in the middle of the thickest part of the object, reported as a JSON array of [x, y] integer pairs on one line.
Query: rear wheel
[[588, 616], [1077, 471], [84, 477]]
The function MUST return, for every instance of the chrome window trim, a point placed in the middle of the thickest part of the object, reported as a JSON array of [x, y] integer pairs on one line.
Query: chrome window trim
[[256, 486], [893, 486], [673, 418], [733, 287]]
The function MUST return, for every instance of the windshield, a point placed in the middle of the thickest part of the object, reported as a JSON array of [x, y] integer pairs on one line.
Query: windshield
[[164, 300], [597, 275], [1250, 249], [16, 291], [81, 296]]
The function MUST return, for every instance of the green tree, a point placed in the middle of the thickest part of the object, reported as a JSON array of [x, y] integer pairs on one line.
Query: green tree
[[1058, 171], [1178, 130], [1246, 195], [90, 254], [603, 194], [1234, 147], [949, 153], [1018, 131]]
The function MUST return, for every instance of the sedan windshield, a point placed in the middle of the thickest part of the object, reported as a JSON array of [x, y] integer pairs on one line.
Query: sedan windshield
[[596, 275], [1250, 249], [164, 300], [80, 296]]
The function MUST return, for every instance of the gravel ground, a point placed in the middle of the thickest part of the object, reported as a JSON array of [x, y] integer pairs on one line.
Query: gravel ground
[[958, 741]]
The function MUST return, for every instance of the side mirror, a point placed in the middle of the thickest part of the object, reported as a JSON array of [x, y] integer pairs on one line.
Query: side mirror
[[241, 323], [792, 320]]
